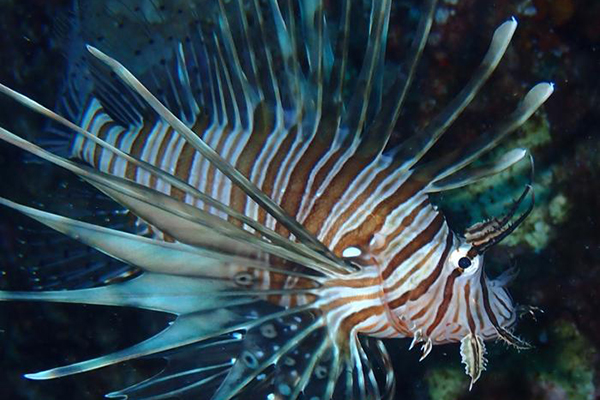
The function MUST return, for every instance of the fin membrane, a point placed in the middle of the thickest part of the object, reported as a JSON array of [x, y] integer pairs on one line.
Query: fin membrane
[[48, 260]]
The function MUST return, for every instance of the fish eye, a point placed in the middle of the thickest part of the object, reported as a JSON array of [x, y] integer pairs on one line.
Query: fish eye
[[459, 259], [464, 262]]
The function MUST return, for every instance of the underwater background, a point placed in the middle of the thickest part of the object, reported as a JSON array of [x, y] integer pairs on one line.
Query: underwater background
[[557, 249]]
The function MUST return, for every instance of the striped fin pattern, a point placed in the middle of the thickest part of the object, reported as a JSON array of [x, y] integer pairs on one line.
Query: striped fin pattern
[[286, 236]]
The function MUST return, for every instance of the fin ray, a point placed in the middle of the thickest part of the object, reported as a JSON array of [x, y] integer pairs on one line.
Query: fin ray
[[384, 122], [466, 177], [258, 353], [184, 330], [184, 186], [359, 104], [153, 255], [195, 371], [173, 218], [424, 140], [239, 179], [461, 158]]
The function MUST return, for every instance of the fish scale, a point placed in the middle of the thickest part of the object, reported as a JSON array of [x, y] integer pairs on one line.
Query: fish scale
[[284, 227]]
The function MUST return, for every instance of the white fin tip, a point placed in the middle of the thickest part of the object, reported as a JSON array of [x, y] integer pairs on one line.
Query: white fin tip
[[538, 95]]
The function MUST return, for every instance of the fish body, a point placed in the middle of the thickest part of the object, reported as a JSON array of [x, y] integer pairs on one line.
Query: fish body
[[361, 203], [280, 226]]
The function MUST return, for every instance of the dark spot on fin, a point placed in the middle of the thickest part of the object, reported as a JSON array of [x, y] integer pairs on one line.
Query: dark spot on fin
[[146, 41]]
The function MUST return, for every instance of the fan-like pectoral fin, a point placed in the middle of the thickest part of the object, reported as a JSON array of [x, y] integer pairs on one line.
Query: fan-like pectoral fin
[[298, 357], [472, 351], [181, 220], [185, 330], [148, 254]]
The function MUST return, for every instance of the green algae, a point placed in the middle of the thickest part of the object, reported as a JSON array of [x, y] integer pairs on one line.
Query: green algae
[[539, 228], [446, 382], [569, 367], [491, 197], [564, 369]]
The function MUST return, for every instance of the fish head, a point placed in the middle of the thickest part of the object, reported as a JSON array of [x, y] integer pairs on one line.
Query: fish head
[[485, 308]]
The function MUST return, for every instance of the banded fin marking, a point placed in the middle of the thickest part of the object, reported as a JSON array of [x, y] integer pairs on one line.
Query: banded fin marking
[[247, 186], [267, 233]]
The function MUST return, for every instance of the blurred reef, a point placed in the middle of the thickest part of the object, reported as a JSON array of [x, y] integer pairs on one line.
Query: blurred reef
[[557, 249]]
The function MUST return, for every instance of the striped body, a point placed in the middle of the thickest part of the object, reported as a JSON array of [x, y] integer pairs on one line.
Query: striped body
[[344, 200]]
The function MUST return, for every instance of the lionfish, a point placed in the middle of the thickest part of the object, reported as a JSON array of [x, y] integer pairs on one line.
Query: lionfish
[[284, 231]]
